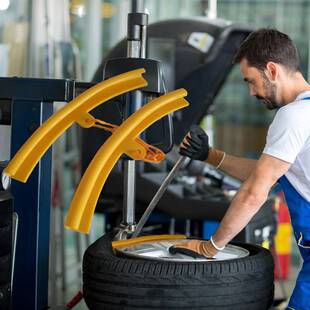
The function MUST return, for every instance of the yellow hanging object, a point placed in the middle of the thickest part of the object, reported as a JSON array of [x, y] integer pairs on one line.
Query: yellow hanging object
[[24, 161], [123, 140]]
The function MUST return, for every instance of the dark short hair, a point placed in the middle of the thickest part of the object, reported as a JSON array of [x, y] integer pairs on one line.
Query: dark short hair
[[264, 45]]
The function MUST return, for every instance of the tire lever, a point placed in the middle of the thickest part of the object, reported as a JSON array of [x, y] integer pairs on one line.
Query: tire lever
[[158, 195]]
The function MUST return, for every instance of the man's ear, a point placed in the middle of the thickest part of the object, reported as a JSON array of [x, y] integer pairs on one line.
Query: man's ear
[[272, 71]]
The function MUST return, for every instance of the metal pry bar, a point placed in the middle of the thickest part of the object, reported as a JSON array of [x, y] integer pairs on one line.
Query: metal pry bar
[[158, 195]]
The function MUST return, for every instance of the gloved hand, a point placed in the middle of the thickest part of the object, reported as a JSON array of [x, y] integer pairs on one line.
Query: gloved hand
[[196, 146], [195, 248]]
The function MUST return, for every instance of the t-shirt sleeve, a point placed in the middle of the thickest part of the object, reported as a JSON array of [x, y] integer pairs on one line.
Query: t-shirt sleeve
[[286, 136]]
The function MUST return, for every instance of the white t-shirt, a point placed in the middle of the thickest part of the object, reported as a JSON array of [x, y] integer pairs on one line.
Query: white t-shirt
[[288, 139]]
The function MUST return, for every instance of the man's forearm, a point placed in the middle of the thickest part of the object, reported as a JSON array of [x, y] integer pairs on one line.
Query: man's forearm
[[243, 207], [251, 196], [238, 167]]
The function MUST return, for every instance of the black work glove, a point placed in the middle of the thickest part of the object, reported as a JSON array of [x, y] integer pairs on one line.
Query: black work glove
[[196, 144]]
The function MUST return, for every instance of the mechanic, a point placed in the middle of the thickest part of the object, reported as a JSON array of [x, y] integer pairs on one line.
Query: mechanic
[[269, 63]]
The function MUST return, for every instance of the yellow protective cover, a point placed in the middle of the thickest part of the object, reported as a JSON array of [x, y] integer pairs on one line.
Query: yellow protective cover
[[133, 241], [24, 161], [122, 141]]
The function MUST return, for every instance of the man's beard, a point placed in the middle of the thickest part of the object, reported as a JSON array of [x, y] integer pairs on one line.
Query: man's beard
[[269, 99]]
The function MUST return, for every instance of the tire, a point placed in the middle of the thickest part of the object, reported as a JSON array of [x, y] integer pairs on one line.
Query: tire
[[5, 269], [113, 282], [5, 240]]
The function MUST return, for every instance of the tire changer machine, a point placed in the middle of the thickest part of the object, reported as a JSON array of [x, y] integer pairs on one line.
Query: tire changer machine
[[191, 52], [30, 104]]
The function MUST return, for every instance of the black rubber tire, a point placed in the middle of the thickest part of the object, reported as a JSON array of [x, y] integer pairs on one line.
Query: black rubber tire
[[5, 240], [5, 297], [113, 282], [5, 269]]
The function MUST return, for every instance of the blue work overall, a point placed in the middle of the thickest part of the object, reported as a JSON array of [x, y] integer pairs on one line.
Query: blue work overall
[[299, 209], [300, 218]]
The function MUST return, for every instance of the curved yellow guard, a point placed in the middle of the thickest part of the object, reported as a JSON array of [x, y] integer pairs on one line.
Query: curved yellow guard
[[24, 161], [133, 241], [122, 141]]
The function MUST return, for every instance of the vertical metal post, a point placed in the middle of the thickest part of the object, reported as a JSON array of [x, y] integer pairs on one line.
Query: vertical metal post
[[136, 48], [137, 6], [32, 204]]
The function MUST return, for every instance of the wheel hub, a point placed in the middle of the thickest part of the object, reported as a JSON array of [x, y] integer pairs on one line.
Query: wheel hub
[[159, 250]]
